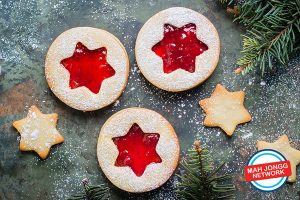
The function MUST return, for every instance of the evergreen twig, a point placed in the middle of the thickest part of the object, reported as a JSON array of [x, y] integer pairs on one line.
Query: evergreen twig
[[272, 32], [92, 192], [199, 181]]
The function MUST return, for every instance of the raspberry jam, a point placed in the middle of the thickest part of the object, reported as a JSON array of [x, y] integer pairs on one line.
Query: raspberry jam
[[88, 68], [179, 48], [137, 149]]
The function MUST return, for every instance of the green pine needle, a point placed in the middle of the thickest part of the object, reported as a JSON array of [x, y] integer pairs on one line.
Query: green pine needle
[[200, 181], [273, 33], [92, 192]]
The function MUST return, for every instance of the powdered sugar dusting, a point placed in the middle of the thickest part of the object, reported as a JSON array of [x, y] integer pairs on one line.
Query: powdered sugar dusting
[[167, 148], [37, 133], [58, 77], [34, 134], [27, 30], [151, 65]]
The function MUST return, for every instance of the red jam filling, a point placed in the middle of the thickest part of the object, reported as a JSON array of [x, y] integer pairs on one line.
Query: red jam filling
[[88, 68], [179, 48], [137, 149]]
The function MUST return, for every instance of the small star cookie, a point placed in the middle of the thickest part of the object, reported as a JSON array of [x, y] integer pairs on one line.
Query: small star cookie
[[225, 109], [283, 146], [38, 132]]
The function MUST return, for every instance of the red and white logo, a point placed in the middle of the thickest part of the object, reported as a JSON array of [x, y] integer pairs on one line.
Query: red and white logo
[[267, 170]]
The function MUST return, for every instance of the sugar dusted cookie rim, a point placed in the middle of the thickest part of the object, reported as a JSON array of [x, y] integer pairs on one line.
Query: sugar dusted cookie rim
[[156, 174], [151, 65], [58, 77]]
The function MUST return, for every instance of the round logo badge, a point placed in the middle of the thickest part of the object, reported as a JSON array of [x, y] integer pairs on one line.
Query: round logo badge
[[267, 170]]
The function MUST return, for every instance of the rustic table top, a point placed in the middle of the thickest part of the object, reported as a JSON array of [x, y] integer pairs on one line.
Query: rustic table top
[[27, 29]]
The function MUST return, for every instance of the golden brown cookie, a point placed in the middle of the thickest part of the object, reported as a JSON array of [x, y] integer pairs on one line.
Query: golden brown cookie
[[138, 149], [177, 49], [87, 68], [225, 109], [38, 132], [283, 146]]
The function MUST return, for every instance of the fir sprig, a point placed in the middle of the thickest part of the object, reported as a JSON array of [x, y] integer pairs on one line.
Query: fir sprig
[[200, 181], [92, 192], [272, 32]]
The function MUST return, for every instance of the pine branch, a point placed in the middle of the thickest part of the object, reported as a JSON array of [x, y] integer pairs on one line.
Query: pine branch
[[227, 2], [92, 192], [272, 36], [199, 181]]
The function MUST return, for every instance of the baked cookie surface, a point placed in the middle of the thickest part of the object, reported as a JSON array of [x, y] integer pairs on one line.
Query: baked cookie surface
[[38, 132], [87, 68], [177, 49], [282, 144], [138, 149], [225, 109]]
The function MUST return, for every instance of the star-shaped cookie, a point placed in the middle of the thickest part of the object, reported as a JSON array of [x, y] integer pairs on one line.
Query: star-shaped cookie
[[225, 109], [38, 132], [283, 146]]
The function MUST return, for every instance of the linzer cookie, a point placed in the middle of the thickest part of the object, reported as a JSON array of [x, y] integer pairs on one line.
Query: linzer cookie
[[138, 149], [225, 109], [177, 49], [87, 68], [38, 132]]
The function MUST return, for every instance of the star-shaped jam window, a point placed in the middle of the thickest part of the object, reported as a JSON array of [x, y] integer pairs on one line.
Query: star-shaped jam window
[[88, 68], [283, 146], [179, 48], [137, 149], [38, 132]]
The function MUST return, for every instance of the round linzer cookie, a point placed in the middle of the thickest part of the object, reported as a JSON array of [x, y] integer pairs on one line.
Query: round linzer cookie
[[87, 68], [138, 149], [177, 49]]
